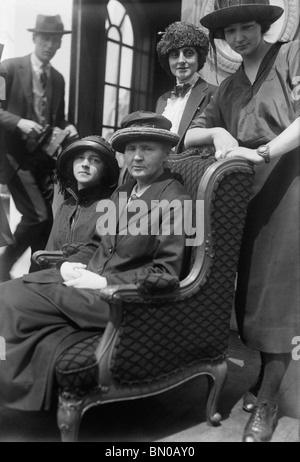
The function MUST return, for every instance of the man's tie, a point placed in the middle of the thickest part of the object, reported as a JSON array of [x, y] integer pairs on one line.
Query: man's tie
[[43, 107], [44, 78], [181, 90]]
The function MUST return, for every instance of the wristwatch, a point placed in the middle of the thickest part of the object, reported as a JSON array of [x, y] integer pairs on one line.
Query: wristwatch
[[264, 152]]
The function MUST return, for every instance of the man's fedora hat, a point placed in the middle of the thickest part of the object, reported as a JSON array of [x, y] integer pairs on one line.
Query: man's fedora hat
[[144, 125], [89, 143], [49, 25], [228, 12]]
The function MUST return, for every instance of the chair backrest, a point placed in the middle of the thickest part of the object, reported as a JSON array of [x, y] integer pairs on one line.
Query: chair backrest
[[193, 326]]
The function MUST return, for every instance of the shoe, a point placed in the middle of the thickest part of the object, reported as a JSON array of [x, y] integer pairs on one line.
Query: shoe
[[249, 401], [261, 424]]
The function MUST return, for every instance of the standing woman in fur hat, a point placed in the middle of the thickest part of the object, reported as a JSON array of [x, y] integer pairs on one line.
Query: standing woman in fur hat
[[87, 171], [182, 54], [255, 115]]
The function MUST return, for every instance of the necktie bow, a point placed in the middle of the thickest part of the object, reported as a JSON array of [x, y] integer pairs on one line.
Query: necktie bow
[[181, 90]]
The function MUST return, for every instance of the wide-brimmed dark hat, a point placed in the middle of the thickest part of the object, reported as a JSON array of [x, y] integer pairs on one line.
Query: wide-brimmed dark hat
[[144, 125], [49, 25], [182, 34], [228, 12], [94, 143]]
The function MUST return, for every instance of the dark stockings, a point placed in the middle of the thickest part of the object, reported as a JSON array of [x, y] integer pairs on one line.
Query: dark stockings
[[273, 369]]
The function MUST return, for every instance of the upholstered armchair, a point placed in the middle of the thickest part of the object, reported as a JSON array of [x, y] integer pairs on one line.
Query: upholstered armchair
[[163, 332]]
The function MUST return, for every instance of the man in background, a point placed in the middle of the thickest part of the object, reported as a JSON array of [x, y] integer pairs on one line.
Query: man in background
[[35, 94]]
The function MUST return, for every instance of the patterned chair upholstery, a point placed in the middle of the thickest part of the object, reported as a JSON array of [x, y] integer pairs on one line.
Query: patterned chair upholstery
[[163, 332]]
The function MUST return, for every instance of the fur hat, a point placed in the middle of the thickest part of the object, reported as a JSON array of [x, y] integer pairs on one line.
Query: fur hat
[[49, 25], [228, 12], [94, 143], [182, 34], [141, 125]]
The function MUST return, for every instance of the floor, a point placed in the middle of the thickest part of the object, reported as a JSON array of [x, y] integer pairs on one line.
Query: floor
[[172, 417]]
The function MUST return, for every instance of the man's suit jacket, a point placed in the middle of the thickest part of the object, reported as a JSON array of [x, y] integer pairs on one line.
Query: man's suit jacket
[[19, 105], [198, 100]]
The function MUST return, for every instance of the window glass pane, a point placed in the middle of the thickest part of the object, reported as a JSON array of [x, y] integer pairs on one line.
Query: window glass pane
[[110, 98], [126, 67], [124, 101], [112, 62], [127, 32], [116, 11], [114, 34]]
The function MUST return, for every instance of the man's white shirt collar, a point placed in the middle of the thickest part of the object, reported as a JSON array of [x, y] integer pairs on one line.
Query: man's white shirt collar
[[37, 64]]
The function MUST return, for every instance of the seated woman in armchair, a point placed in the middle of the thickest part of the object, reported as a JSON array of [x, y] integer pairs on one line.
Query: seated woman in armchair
[[87, 171], [42, 313]]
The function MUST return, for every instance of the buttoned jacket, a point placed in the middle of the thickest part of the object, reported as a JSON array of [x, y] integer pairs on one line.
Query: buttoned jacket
[[199, 97], [19, 105], [120, 255]]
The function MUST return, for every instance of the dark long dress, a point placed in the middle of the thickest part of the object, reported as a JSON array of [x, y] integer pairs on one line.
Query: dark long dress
[[40, 317], [268, 289]]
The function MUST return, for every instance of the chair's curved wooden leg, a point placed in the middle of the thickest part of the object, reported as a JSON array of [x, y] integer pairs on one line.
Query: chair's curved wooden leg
[[216, 382], [69, 414]]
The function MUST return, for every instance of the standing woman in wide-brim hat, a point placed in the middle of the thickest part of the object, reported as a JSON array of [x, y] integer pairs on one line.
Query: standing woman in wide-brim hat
[[182, 53], [87, 172], [255, 114]]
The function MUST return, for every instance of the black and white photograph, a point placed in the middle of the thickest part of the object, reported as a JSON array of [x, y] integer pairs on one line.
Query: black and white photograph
[[150, 223]]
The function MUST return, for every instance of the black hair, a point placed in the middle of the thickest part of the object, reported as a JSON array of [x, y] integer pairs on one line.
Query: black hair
[[220, 34], [68, 181]]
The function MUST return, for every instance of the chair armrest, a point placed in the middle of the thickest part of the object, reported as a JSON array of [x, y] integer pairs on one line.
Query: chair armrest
[[148, 287], [47, 258]]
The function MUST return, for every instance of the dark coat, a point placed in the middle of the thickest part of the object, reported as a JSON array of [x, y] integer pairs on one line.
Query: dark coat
[[198, 100], [75, 219], [40, 316], [19, 105], [117, 255]]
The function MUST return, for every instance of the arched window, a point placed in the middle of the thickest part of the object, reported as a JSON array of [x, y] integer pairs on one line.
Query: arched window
[[118, 71]]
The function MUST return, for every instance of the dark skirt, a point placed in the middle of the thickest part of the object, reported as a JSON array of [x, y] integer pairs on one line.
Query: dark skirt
[[268, 287], [38, 321]]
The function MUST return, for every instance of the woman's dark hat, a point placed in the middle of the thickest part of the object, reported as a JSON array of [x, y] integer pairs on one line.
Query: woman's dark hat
[[94, 143], [49, 25], [144, 125], [177, 35], [228, 12]]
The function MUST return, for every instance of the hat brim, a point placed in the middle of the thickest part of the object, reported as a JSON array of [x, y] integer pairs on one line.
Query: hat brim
[[121, 137], [241, 13], [70, 152], [42, 31]]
